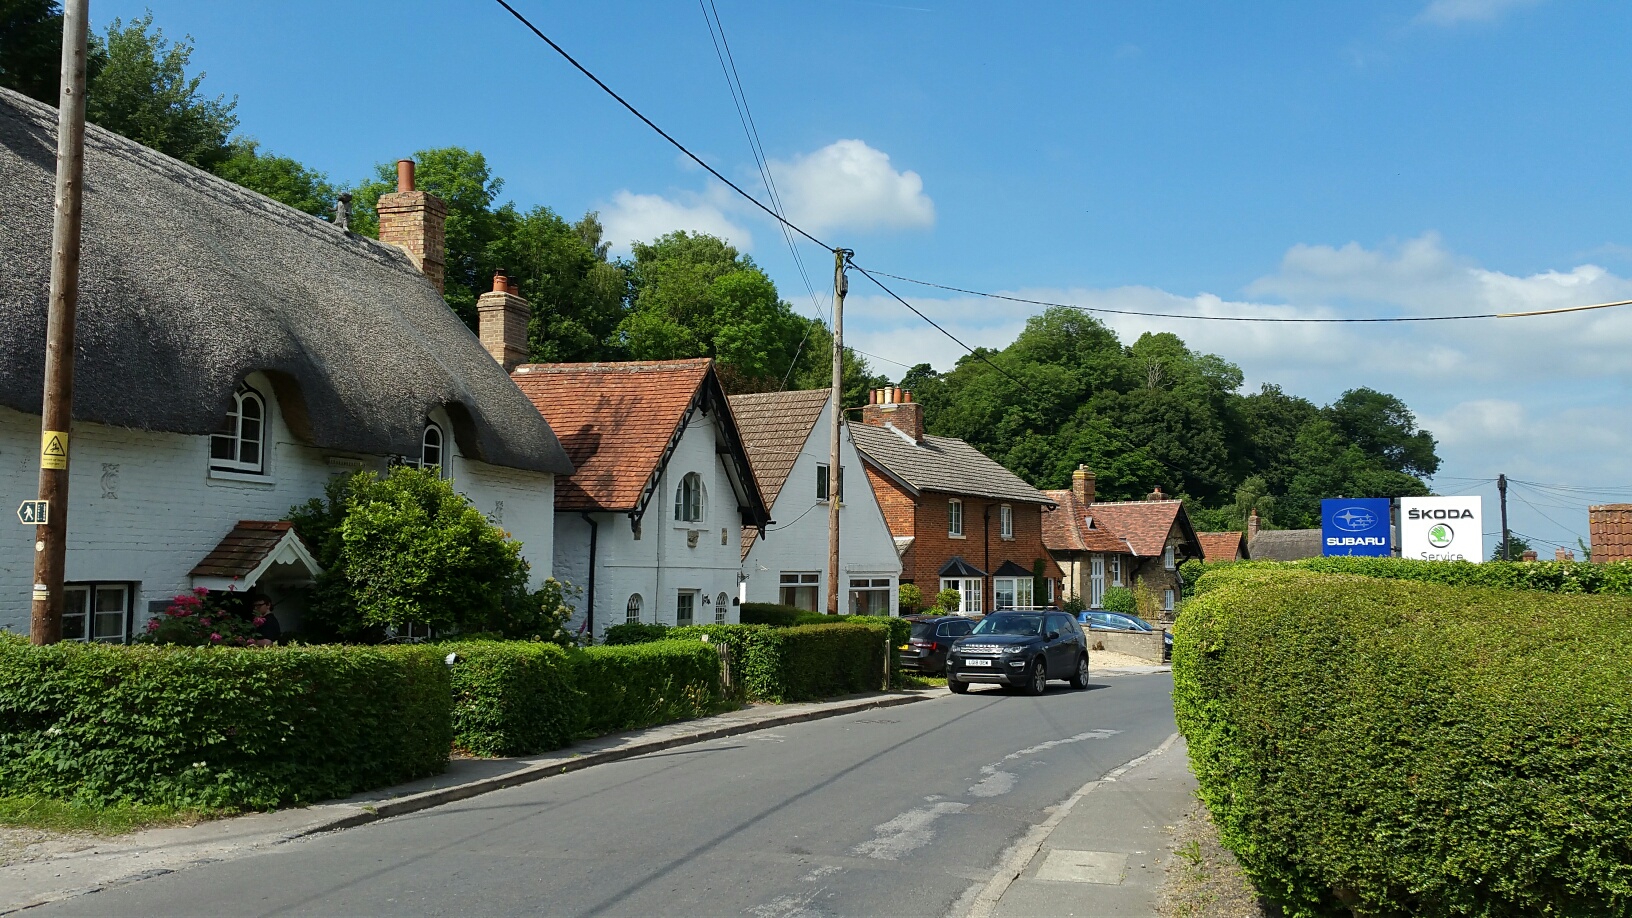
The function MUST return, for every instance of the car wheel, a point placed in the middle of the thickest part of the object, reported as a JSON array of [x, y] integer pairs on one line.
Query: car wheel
[[957, 685], [1079, 679], [1038, 681]]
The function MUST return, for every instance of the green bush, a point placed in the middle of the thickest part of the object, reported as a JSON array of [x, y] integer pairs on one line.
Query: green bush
[[1118, 599], [640, 685], [766, 613], [514, 697], [1540, 576], [634, 633], [801, 663], [1395, 748], [909, 599], [948, 600], [217, 727]]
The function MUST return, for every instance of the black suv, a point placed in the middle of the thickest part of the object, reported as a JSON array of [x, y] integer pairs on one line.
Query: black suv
[[1019, 648], [932, 637]]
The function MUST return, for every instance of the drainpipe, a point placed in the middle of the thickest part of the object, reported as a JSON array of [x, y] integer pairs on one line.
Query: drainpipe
[[986, 549], [589, 589]]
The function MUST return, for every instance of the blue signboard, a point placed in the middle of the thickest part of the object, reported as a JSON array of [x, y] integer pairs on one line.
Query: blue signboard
[[1357, 526]]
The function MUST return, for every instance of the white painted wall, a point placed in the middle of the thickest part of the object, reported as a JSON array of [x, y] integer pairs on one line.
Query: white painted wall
[[798, 541], [144, 509], [661, 563]]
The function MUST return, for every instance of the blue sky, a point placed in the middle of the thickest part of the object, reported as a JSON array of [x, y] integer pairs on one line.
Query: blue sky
[[1396, 157]]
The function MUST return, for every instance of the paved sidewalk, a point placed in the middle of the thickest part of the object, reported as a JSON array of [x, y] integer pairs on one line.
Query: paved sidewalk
[[1108, 854], [73, 865]]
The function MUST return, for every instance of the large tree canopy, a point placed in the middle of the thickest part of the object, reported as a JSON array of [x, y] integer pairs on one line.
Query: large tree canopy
[[144, 92]]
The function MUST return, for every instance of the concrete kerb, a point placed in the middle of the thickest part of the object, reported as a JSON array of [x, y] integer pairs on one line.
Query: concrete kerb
[[422, 801]]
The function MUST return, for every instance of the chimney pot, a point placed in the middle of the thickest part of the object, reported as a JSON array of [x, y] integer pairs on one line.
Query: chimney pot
[[415, 222], [893, 405], [906, 395], [512, 286], [501, 323], [501, 284], [405, 175]]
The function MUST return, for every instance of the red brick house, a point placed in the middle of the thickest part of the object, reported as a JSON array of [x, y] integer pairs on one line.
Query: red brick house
[[1100, 545], [1224, 546], [960, 520]]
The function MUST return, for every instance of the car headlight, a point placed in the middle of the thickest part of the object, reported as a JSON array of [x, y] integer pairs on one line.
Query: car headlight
[[1014, 649]]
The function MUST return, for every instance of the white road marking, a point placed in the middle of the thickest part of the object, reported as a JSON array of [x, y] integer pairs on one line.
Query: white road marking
[[995, 781], [911, 830]]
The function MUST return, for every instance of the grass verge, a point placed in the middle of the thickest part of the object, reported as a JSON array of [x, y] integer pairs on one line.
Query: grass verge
[[51, 815], [1204, 880]]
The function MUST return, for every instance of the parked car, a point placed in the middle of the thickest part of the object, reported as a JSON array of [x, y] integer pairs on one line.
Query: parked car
[[1098, 620], [932, 637], [1023, 649]]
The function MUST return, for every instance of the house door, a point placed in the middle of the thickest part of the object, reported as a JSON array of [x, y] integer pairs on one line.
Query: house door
[[1096, 582]]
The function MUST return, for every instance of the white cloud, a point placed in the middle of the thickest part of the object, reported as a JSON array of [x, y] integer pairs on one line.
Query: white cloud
[[644, 217], [1456, 12], [849, 185]]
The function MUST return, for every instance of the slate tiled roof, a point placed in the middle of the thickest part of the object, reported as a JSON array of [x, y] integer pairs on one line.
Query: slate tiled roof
[[614, 420], [1223, 546], [1610, 527], [1285, 544], [244, 548], [775, 426], [1144, 524], [1067, 529], [189, 283], [942, 464]]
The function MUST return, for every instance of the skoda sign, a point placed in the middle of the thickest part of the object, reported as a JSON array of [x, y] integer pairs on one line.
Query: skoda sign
[[1442, 528], [1355, 527]]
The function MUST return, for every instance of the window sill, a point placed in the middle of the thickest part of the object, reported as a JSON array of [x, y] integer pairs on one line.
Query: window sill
[[956, 535], [242, 477], [1008, 538]]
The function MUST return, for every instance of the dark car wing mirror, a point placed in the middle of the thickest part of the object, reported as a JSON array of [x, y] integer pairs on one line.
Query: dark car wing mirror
[[1053, 635]]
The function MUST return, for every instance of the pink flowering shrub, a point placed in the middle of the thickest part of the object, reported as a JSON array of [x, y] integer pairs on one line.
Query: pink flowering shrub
[[197, 619]]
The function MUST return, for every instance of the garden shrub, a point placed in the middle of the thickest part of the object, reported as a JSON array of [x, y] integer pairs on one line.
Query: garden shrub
[[1118, 599], [1387, 747], [634, 633], [212, 727], [1540, 576], [641, 685], [768, 613], [801, 663], [514, 697], [909, 599]]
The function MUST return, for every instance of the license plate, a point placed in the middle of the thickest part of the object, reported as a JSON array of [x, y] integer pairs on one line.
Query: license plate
[[904, 647], [977, 662]]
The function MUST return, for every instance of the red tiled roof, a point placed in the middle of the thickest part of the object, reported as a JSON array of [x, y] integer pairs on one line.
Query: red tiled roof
[[775, 426], [614, 420], [1610, 532], [1145, 524], [1065, 529], [243, 549], [1222, 546]]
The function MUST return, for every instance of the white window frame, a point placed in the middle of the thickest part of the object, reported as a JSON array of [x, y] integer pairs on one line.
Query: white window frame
[[824, 480], [434, 431], [1167, 558], [1096, 581], [954, 518], [631, 609], [970, 593], [688, 499], [720, 602], [1005, 515], [1116, 570], [685, 601], [235, 420], [1167, 600], [88, 616], [800, 581], [1050, 582], [1025, 593], [869, 586], [1003, 593]]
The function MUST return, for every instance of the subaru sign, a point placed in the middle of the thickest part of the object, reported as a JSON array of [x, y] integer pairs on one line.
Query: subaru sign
[[1442, 528], [1355, 527]]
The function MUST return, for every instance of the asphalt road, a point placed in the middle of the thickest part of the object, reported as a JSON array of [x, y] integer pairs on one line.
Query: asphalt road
[[899, 811]]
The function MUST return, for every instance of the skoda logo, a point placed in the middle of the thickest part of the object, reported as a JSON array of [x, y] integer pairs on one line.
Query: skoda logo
[[1354, 519], [1440, 535]]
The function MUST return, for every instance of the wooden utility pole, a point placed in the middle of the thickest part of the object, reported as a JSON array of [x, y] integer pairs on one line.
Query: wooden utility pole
[[51, 539], [835, 471], [1507, 535]]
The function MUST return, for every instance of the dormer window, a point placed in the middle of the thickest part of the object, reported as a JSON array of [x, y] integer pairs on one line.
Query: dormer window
[[242, 448], [432, 452], [688, 499]]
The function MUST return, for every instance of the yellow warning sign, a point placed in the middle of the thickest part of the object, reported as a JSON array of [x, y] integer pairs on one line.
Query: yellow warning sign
[[54, 449]]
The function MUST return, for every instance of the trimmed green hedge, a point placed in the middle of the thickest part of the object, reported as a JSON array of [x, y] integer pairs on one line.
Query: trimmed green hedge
[[769, 613], [1540, 576], [514, 697], [218, 727], [641, 685], [1414, 749], [634, 633], [802, 663]]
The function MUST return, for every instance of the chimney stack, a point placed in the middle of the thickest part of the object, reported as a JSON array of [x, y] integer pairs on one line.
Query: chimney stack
[[1529, 555], [1252, 526], [502, 317], [1082, 485], [1156, 494], [894, 406], [415, 222], [1563, 554]]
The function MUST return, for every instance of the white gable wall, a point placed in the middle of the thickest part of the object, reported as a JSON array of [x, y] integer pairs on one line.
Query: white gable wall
[[144, 509], [798, 540], [662, 562]]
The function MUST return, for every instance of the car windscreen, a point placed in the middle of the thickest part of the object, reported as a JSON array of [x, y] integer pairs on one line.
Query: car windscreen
[[1010, 623]]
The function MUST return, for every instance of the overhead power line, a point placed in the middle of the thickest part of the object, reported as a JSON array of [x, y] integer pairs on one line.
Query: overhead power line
[[937, 325]]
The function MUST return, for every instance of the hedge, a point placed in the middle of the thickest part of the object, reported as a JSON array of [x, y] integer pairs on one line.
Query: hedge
[[514, 697], [641, 685], [1392, 748], [801, 663], [1540, 576], [217, 727]]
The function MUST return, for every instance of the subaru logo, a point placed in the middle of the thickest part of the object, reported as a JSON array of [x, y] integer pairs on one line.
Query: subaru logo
[[1354, 519]]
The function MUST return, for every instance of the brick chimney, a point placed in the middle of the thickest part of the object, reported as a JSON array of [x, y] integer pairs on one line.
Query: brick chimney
[[1082, 484], [1528, 555], [501, 322], [1563, 554], [894, 406], [1252, 526], [1156, 494], [415, 221]]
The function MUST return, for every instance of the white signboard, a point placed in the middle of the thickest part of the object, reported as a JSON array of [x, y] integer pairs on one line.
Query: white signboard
[[1442, 528]]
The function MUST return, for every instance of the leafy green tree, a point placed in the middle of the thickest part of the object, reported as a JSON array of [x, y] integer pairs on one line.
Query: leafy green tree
[[1516, 545], [577, 295], [31, 49], [279, 178], [1386, 430], [144, 92]]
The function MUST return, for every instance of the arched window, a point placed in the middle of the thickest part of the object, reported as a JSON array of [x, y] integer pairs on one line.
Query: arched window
[[432, 455], [631, 612], [243, 447], [688, 499], [720, 602]]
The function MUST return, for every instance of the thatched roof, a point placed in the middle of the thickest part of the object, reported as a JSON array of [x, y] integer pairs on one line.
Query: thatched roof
[[189, 283], [1285, 544]]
